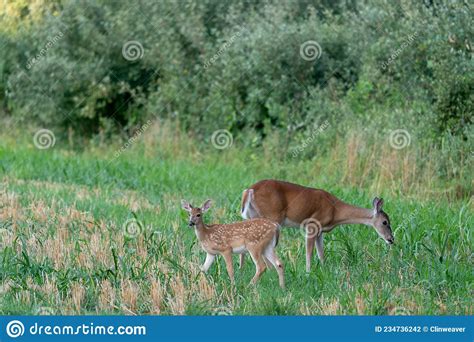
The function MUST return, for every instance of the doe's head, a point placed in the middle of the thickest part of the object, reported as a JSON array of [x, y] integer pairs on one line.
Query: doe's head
[[381, 221], [195, 213]]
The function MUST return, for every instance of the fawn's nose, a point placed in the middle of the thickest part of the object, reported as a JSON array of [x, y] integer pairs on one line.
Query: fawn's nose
[[391, 240]]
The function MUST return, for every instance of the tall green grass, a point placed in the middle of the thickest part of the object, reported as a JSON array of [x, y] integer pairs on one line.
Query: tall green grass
[[65, 247]]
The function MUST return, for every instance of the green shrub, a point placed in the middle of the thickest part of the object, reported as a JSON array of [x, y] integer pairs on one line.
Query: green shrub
[[232, 65]]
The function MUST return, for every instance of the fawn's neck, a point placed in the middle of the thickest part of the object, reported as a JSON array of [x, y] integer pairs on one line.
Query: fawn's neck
[[201, 230], [350, 214]]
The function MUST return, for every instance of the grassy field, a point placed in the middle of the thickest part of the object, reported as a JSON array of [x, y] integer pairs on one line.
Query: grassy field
[[92, 232]]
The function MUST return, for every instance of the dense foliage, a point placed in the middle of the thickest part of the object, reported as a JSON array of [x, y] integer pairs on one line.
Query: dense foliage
[[237, 65]]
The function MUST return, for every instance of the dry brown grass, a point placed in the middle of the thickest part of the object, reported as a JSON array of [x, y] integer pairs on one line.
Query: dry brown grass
[[107, 296], [157, 295], [383, 169], [177, 297], [129, 296]]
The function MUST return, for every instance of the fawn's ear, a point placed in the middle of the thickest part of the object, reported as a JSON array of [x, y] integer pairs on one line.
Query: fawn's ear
[[205, 207], [186, 205], [377, 204]]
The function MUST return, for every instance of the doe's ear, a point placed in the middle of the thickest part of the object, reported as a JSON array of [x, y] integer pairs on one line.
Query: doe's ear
[[186, 205], [377, 204], [205, 207], [374, 202]]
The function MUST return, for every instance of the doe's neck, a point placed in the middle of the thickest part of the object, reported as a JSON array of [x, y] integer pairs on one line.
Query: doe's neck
[[351, 214]]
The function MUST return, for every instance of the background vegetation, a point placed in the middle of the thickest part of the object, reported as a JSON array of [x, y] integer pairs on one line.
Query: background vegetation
[[134, 135]]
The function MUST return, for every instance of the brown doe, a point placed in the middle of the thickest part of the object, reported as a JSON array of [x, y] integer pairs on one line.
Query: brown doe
[[315, 210], [258, 236]]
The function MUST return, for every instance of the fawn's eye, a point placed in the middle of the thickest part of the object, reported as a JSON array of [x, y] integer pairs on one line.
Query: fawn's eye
[[198, 215], [384, 223]]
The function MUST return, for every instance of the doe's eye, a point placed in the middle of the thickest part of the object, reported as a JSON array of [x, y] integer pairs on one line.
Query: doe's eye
[[384, 223], [198, 215]]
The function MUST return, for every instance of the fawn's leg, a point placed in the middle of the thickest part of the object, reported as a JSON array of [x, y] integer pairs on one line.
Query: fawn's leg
[[209, 260], [320, 247], [259, 264], [228, 263], [241, 261], [267, 262], [270, 254], [279, 218]]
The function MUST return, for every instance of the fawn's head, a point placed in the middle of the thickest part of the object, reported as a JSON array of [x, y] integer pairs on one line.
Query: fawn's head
[[195, 214], [381, 221]]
